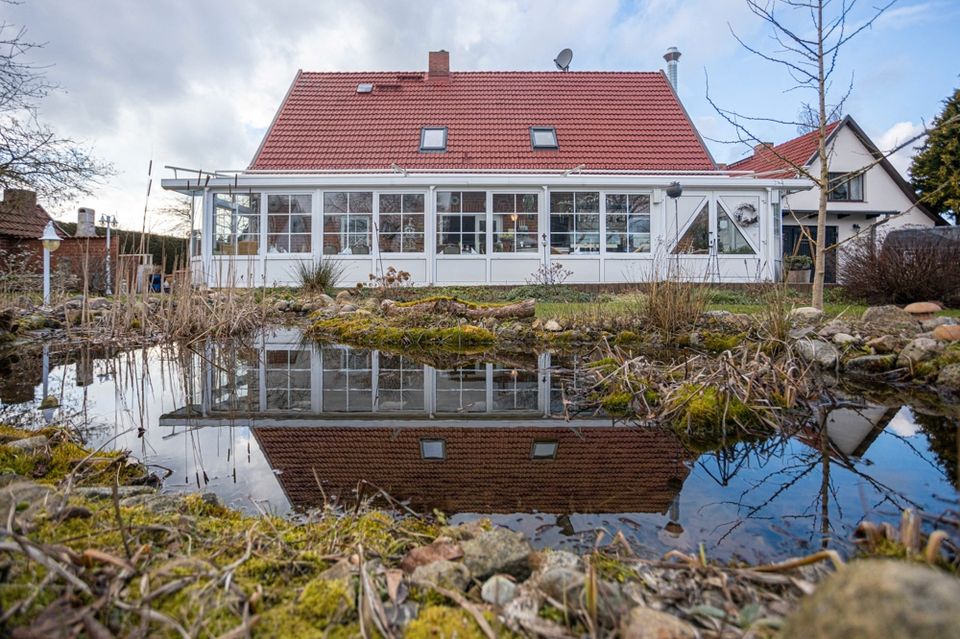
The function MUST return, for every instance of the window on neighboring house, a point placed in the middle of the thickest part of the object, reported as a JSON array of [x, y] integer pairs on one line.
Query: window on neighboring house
[[289, 222], [347, 221], [433, 449], [287, 380], [401, 223], [730, 240], [845, 188], [543, 137], [575, 222], [515, 222], [433, 138], [236, 223], [696, 239], [461, 222], [628, 223]]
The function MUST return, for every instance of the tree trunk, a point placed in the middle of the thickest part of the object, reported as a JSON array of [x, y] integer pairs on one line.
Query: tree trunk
[[453, 306], [820, 257]]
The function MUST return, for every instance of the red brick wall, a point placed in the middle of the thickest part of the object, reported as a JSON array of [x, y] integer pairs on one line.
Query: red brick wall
[[69, 258]]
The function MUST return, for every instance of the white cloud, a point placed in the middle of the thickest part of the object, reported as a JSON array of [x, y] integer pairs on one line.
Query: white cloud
[[895, 136]]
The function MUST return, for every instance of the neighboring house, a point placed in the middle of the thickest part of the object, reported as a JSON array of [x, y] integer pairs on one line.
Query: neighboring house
[[483, 177], [875, 199], [22, 221]]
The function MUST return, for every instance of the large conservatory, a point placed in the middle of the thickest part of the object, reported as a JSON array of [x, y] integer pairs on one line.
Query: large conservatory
[[483, 178]]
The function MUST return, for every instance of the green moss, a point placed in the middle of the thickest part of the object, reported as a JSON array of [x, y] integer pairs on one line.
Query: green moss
[[708, 419], [719, 342], [327, 601], [627, 338], [449, 298], [610, 568], [443, 622], [617, 404], [370, 331], [605, 365]]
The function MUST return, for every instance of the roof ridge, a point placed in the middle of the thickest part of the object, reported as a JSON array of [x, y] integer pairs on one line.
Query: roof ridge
[[544, 72]]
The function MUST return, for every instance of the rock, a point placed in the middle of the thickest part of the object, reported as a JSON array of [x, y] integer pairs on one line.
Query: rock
[[281, 306], [553, 326], [443, 573], [343, 569], [890, 319], [884, 344], [498, 590], [947, 333], [806, 315], [497, 551], [399, 616], [106, 492], [370, 304], [871, 364], [880, 598], [844, 339], [29, 445], [563, 583], [922, 310], [816, 352], [921, 349], [930, 324], [442, 548], [557, 559], [27, 499], [833, 327], [949, 378], [152, 502], [98, 304], [646, 623], [347, 309], [344, 296], [308, 307], [323, 300]]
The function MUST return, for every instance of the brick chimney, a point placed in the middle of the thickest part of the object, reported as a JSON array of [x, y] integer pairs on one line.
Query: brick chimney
[[20, 201], [438, 67]]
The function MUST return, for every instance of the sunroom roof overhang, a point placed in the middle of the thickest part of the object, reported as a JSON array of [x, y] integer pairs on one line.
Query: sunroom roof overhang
[[195, 182]]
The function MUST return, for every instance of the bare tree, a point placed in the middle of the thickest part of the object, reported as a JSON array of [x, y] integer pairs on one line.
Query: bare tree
[[806, 39], [32, 155]]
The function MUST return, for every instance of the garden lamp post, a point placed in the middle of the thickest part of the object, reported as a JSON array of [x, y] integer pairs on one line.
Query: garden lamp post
[[51, 242], [674, 191], [108, 221]]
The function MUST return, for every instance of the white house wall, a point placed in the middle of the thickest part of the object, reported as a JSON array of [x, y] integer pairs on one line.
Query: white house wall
[[880, 192], [278, 269]]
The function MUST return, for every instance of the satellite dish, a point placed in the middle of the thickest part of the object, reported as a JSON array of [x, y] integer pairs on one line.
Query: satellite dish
[[563, 60]]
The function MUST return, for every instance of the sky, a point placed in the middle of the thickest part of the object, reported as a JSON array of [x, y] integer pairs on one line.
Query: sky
[[196, 83]]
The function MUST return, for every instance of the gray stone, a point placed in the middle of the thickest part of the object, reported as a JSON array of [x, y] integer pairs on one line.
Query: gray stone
[[930, 324], [871, 364], [498, 590], [799, 332], [844, 339], [553, 326], [880, 598], [399, 616], [834, 327], [921, 349], [497, 551], [562, 583], [281, 306], [891, 319], [106, 492], [444, 573], [347, 308], [646, 623], [558, 559], [806, 315], [884, 344], [344, 296], [27, 499], [816, 352], [324, 300], [29, 445], [153, 503], [949, 378]]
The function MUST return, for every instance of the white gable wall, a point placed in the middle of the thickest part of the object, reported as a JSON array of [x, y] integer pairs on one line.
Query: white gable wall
[[880, 192]]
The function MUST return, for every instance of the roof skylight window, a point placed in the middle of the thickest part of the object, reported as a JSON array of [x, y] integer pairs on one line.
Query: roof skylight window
[[543, 137], [433, 449], [433, 138], [544, 450]]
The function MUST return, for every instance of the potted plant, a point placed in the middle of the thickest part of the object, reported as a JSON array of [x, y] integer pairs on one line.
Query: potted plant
[[798, 268]]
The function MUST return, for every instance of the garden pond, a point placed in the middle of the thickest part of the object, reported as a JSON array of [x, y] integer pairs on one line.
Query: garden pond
[[283, 425]]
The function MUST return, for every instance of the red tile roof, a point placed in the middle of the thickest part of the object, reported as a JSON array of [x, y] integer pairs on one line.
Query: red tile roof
[[795, 152], [23, 224], [486, 470], [604, 120]]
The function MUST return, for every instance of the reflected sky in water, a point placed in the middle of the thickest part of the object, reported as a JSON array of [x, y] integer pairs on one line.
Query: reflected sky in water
[[284, 424]]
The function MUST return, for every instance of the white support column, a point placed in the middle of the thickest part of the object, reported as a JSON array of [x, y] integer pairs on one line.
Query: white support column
[[207, 231], [430, 234], [262, 249], [375, 234], [544, 235], [488, 237], [316, 225]]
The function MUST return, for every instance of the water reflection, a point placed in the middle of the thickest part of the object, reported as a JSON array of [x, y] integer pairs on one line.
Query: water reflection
[[288, 423]]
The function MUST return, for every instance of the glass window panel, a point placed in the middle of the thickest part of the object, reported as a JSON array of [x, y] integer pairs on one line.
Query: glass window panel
[[729, 238], [300, 204], [503, 203], [300, 244], [696, 239], [361, 202], [390, 203], [335, 202], [544, 450], [639, 223], [616, 222], [640, 204], [278, 243], [299, 223], [588, 202], [616, 203], [433, 449], [236, 224], [278, 204], [587, 222], [474, 202], [277, 223], [448, 202], [561, 202], [544, 138], [413, 203], [433, 139]]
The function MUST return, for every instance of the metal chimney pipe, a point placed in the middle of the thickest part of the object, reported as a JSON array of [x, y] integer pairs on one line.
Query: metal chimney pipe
[[671, 56]]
